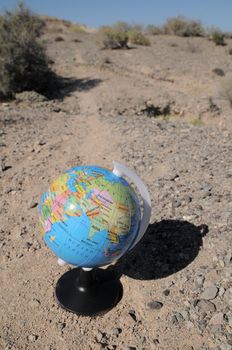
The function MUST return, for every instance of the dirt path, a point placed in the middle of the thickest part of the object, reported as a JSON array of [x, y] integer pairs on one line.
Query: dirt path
[[99, 143]]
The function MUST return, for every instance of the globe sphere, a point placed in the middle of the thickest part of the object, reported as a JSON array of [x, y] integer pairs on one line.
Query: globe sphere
[[89, 217]]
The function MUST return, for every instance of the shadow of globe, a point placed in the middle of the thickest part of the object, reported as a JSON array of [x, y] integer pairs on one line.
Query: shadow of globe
[[168, 246]]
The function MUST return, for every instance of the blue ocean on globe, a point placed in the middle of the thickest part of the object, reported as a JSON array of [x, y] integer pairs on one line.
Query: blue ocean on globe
[[89, 216]]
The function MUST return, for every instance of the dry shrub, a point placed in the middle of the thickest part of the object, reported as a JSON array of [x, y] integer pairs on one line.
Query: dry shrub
[[23, 62], [138, 38], [183, 27], [217, 36], [110, 38], [117, 36]]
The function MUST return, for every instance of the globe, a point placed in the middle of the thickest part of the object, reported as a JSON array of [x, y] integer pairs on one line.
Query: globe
[[89, 217]]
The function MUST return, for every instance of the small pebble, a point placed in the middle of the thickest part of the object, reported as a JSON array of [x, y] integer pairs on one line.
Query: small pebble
[[42, 142], [32, 337], [116, 331], [132, 313], [217, 319], [166, 292], [209, 293], [155, 305], [205, 306], [56, 109], [34, 303]]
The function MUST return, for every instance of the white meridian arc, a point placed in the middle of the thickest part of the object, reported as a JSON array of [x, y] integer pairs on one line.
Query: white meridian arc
[[120, 170]]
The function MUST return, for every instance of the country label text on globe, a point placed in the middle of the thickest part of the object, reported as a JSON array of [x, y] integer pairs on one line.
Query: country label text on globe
[[89, 216]]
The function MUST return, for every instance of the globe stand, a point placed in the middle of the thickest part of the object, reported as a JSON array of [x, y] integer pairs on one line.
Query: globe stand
[[88, 292]]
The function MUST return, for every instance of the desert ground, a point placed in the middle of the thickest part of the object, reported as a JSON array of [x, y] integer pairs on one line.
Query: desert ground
[[158, 109]]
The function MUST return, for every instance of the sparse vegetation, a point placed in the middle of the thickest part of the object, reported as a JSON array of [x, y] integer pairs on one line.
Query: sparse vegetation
[[118, 36], [218, 37], [110, 38], [138, 38], [183, 27], [23, 62]]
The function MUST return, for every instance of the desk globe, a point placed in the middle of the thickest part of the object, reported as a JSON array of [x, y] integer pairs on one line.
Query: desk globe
[[89, 217]]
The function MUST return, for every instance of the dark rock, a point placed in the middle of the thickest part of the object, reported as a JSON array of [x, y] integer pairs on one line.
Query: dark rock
[[166, 292], [132, 313]]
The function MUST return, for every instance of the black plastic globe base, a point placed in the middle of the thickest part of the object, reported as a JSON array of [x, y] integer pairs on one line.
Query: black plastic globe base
[[88, 293]]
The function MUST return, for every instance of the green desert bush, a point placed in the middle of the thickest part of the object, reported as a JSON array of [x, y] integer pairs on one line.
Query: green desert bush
[[183, 27], [110, 38], [23, 62], [138, 38], [217, 36], [117, 36]]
